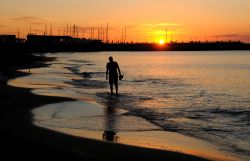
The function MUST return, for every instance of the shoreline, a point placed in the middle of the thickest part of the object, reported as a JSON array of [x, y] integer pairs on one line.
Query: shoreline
[[26, 140], [16, 120], [150, 139]]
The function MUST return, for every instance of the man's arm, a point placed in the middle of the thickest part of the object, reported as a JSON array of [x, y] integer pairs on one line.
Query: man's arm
[[107, 72], [119, 71]]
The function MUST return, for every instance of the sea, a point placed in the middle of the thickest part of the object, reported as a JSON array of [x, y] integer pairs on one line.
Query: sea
[[202, 94]]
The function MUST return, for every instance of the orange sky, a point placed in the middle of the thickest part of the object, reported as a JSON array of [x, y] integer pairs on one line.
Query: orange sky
[[145, 20]]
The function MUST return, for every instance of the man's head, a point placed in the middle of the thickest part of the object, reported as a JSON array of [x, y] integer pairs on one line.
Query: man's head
[[110, 58]]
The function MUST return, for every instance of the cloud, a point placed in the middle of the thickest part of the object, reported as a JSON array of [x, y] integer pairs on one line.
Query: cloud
[[160, 24], [29, 19], [233, 35], [246, 35], [226, 35], [132, 26]]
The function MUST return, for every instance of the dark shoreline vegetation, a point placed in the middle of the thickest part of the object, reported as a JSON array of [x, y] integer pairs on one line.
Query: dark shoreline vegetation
[[97, 45], [20, 139]]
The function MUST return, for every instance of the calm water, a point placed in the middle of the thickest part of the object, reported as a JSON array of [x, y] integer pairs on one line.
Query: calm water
[[199, 94]]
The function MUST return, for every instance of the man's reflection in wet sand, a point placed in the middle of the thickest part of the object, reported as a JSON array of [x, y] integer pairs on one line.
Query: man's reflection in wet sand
[[110, 132]]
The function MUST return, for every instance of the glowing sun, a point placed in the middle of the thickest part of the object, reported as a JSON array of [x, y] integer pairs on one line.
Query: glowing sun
[[161, 42]]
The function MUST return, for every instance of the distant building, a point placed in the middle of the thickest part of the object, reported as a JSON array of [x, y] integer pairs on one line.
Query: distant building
[[7, 38], [19, 40], [45, 39], [86, 41]]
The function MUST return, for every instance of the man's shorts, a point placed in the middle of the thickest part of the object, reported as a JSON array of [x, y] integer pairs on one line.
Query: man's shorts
[[113, 79]]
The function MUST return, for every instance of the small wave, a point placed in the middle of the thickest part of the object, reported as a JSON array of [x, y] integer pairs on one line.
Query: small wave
[[89, 64], [214, 129], [127, 100], [240, 116], [230, 111], [80, 61], [83, 62], [86, 74], [148, 80], [73, 69], [198, 116], [246, 117], [87, 83], [125, 96], [92, 74], [170, 82]]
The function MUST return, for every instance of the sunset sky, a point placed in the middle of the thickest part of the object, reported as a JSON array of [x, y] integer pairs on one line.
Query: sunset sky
[[145, 20]]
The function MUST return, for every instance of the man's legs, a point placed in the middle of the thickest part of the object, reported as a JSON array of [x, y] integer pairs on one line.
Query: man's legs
[[116, 87], [111, 88], [111, 85], [113, 80]]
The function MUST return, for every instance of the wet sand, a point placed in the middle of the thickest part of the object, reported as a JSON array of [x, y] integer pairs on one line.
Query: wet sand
[[87, 119], [21, 140]]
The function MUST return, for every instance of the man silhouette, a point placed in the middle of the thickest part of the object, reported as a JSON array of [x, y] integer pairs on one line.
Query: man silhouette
[[112, 68]]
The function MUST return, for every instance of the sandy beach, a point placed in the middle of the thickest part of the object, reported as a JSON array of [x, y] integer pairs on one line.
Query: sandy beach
[[94, 117], [22, 140], [24, 135]]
